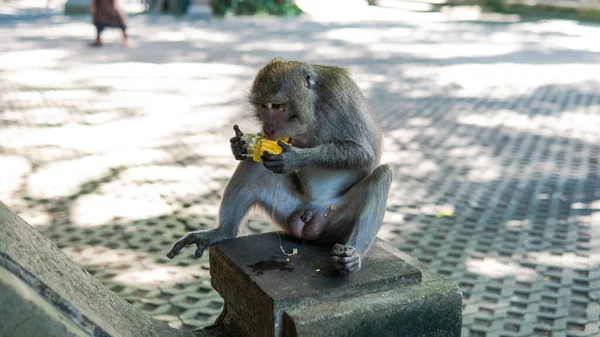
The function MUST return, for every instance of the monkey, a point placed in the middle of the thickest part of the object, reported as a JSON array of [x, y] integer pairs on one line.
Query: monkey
[[328, 185]]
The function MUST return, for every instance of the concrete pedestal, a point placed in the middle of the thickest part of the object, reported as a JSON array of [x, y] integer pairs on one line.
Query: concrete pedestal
[[270, 294]]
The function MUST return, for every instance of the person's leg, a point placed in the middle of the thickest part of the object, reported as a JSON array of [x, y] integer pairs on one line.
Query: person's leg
[[125, 37], [98, 41]]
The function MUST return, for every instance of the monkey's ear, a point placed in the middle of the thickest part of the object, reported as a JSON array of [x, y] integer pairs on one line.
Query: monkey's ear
[[310, 77]]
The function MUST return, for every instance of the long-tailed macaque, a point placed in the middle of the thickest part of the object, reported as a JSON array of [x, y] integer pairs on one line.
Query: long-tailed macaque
[[327, 185]]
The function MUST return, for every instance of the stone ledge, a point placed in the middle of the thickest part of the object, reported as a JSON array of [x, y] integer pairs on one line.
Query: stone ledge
[[44, 293], [24, 312], [269, 294]]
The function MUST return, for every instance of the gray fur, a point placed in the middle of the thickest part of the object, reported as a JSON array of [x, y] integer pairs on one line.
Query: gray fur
[[333, 162]]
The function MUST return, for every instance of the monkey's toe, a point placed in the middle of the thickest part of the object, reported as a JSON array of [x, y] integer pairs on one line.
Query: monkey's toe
[[345, 259]]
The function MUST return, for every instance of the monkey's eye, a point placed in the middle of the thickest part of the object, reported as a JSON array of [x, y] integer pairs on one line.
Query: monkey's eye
[[276, 106], [263, 105]]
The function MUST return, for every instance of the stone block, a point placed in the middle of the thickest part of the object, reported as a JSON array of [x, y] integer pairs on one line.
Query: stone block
[[267, 293]]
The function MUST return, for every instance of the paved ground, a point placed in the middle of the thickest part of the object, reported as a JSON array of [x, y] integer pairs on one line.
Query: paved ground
[[492, 128]]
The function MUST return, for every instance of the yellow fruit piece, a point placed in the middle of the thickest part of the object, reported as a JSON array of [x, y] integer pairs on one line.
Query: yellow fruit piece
[[270, 146], [445, 213]]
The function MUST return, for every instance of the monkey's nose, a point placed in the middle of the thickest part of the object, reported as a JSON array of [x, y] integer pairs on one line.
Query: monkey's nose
[[269, 133]]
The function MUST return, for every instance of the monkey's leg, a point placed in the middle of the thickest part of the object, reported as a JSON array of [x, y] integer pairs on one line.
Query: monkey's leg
[[368, 198], [251, 184]]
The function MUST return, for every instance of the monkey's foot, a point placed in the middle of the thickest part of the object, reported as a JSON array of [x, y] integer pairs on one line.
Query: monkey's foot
[[202, 239], [345, 258]]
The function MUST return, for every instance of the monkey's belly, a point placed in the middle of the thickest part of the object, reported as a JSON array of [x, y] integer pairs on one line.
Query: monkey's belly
[[306, 224]]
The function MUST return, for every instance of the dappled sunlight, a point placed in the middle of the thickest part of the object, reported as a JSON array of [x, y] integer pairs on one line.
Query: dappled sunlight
[[483, 169], [135, 268], [566, 260], [37, 58], [410, 160], [38, 77], [40, 116], [518, 225], [14, 172], [334, 9], [121, 199], [36, 217], [283, 46], [447, 50], [163, 173], [63, 178], [475, 79], [96, 210], [159, 274], [496, 268], [140, 192], [575, 124], [100, 255]]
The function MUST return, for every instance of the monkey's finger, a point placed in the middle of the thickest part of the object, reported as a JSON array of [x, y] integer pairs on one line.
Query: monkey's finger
[[345, 268], [187, 239], [238, 133], [344, 259], [285, 146], [344, 251], [350, 265], [241, 157], [238, 147], [199, 252], [239, 151], [271, 163], [235, 141], [266, 156], [338, 249], [176, 249], [271, 159], [273, 166]]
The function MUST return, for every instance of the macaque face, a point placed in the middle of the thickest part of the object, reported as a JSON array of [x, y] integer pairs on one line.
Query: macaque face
[[280, 119], [280, 98]]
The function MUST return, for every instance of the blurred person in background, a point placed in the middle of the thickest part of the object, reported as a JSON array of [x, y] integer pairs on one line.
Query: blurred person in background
[[108, 13]]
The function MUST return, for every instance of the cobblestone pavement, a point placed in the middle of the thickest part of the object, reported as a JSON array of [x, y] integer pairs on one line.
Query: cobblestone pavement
[[492, 128]]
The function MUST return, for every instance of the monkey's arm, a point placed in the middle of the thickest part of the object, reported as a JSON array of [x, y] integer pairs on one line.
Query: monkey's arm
[[343, 154]]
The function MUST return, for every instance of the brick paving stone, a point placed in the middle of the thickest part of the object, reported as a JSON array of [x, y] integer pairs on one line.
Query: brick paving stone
[[492, 129]]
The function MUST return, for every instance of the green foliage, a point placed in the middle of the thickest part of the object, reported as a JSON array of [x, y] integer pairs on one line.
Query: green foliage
[[254, 7]]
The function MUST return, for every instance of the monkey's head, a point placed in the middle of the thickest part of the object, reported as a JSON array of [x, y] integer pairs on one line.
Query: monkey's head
[[283, 98]]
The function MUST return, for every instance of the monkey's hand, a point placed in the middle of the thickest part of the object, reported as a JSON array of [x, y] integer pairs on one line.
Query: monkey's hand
[[202, 239], [285, 162], [238, 146], [346, 259]]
